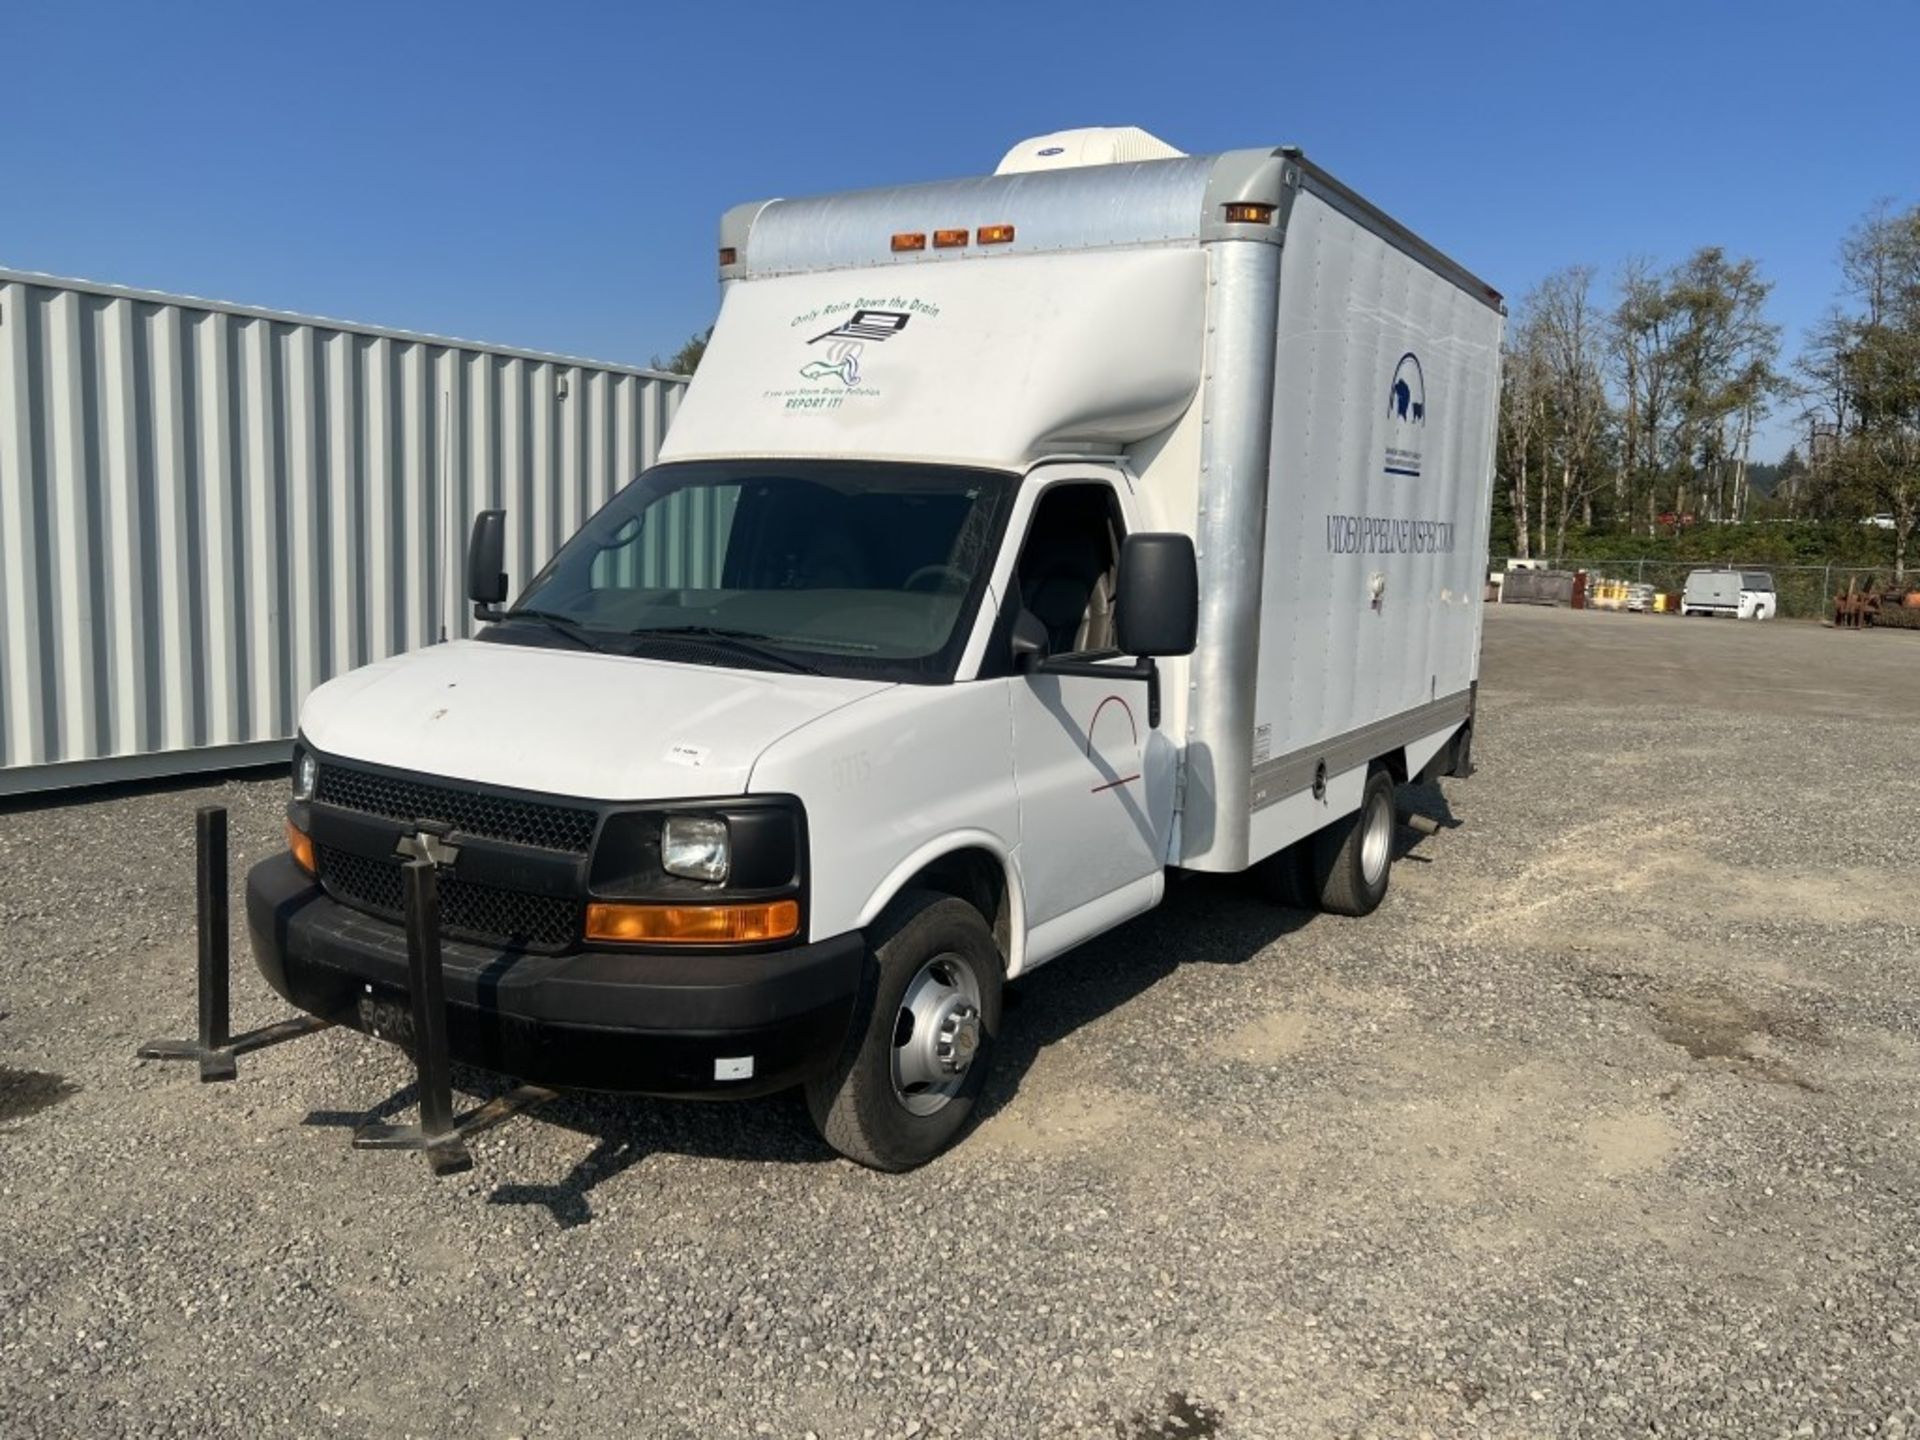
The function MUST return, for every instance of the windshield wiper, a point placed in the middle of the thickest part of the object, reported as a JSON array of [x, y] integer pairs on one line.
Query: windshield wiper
[[746, 642], [560, 624]]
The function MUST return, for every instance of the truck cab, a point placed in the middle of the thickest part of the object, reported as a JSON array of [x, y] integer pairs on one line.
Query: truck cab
[[950, 619]]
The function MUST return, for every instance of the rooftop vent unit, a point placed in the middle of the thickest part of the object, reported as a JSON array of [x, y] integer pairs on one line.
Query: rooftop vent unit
[[1094, 145]]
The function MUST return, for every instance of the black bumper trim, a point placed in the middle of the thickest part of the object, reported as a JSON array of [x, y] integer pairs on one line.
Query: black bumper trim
[[644, 1023]]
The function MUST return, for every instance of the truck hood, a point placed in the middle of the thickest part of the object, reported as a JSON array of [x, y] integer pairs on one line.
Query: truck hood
[[565, 722]]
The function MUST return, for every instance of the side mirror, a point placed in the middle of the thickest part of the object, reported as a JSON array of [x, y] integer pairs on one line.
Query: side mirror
[[1157, 611], [1029, 641], [486, 562]]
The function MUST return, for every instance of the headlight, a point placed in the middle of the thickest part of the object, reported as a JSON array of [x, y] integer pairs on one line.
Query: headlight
[[306, 774], [696, 847]]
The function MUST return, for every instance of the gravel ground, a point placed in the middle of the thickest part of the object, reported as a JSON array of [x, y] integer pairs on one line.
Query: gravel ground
[[1603, 1126]]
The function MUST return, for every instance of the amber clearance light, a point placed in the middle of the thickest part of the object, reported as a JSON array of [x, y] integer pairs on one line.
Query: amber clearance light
[[694, 924], [301, 844], [994, 235]]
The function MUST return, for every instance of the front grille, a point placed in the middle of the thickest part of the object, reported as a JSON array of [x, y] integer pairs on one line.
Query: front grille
[[567, 828], [480, 912]]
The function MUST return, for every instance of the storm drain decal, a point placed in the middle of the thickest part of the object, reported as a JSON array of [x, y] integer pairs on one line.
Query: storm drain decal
[[846, 341], [837, 362]]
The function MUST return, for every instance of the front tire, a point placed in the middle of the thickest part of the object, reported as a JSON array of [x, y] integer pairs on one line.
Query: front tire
[[1353, 857], [922, 1036]]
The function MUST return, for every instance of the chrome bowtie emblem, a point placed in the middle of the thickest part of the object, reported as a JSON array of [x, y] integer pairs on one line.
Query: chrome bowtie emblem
[[427, 846]]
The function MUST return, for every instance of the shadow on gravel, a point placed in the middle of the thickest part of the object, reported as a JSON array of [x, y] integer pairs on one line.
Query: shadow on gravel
[[566, 1200], [1205, 919], [625, 1130], [27, 1092]]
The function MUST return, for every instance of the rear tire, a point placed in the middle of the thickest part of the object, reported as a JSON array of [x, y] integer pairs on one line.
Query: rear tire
[[922, 1036], [1353, 857], [1285, 877]]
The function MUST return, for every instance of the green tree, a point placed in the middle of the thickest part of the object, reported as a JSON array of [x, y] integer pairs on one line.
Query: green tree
[[1867, 359], [686, 359], [1724, 356], [1694, 359]]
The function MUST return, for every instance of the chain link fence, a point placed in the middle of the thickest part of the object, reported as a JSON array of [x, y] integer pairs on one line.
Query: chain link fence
[[1806, 591]]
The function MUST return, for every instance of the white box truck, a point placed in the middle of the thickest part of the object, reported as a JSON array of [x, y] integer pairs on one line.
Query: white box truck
[[1019, 538]]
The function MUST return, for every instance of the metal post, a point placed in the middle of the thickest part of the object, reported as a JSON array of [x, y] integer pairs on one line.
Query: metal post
[[429, 999], [215, 1046], [439, 1134], [210, 854]]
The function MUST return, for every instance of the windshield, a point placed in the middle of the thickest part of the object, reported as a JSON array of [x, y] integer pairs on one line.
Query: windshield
[[841, 567]]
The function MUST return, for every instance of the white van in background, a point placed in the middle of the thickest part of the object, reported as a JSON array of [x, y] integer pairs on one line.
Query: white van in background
[[1019, 537], [1743, 594]]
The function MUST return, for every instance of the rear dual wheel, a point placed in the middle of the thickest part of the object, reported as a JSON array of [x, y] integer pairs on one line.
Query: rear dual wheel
[[1353, 857], [1345, 868]]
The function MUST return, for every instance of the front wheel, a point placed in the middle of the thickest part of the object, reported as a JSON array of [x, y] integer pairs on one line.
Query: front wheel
[[922, 1036]]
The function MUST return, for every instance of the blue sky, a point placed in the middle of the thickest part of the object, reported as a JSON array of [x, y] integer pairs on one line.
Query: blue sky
[[549, 175]]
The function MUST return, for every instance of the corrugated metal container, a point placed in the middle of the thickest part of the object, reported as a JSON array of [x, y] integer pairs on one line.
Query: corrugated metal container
[[208, 509]]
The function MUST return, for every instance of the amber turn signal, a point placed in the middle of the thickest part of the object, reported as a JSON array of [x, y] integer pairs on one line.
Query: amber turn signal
[[301, 845], [694, 924], [994, 234]]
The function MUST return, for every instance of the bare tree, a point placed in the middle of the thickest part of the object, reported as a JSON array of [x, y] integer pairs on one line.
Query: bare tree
[[1571, 341], [1523, 396]]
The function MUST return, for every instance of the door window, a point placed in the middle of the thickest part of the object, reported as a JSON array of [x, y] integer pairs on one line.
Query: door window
[[1069, 565]]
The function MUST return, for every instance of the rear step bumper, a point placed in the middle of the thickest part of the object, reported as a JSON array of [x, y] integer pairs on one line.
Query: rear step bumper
[[698, 1024]]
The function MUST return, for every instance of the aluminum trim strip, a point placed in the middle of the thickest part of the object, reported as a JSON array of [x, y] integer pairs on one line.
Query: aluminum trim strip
[[1274, 780]]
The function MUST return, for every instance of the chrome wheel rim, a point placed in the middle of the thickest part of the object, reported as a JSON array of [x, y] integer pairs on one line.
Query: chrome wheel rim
[[1376, 845], [936, 1034]]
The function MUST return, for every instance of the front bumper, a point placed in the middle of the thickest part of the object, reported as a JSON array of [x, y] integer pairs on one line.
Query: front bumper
[[593, 1020]]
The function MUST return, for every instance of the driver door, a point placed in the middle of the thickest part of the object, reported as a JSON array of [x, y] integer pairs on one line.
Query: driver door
[[1095, 784]]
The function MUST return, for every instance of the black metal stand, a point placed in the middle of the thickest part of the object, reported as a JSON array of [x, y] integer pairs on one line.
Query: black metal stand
[[216, 1046], [439, 1134]]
